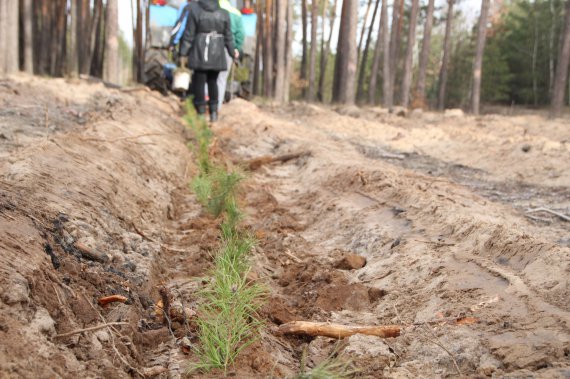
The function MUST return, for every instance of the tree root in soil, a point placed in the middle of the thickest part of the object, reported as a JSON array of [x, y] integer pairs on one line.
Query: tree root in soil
[[338, 331]]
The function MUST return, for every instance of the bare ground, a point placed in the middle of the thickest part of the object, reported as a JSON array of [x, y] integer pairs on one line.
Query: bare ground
[[437, 206]]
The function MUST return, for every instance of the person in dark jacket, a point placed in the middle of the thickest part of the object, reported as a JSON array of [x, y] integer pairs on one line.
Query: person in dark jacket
[[208, 32]]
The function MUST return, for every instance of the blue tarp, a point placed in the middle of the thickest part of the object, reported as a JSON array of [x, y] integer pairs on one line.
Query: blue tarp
[[163, 15], [249, 23]]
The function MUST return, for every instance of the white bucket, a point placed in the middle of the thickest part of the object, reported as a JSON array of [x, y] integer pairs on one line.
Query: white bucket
[[181, 80]]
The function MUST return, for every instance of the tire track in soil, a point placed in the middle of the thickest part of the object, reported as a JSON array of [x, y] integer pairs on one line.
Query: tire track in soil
[[432, 250]]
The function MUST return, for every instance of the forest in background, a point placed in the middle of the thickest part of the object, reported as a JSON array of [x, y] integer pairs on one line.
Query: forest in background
[[397, 52]]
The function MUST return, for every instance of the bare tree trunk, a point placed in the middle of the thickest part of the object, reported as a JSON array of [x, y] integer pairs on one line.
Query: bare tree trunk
[[258, 50], [345, 66], [111, 65], [394, 42], [259, 41], [28, 37], [551, 47], [424, 56], [3, 36], [99, 46], [72, 62], [362, 72], [268, 51], [59, 45], [378, 52], [534, 54], [362, 31], [323, 32], [408, 64], [280, 64], [479, 50], [93, 29], [313, 52], [445, 60], [561, 75], [325, 53], [289, 52], [84, 36], [9, 38], [304, 39]]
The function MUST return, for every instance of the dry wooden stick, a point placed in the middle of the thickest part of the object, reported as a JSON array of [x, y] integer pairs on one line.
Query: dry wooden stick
[[256, 163], [336, 330], [111, 299], [293, 257], [542, 209], [436, 242], [97, 327], [120, 138]]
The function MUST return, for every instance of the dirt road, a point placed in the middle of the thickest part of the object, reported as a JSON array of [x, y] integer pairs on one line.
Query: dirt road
[[94, 202]]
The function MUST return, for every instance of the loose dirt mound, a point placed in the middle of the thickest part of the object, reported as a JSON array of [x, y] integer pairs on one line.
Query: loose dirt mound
[[434, 249], [87, 176]]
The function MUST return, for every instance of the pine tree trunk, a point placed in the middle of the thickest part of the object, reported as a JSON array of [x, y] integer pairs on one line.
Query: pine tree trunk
[[362, 72], [445, 60], [9, 29], [378, 52], [259, 40], [551, 47], [408, 64], [72, 63], [84, 36], [561, 75], [304, 57], [3, 36], [111, 65], [28, 37], [323, 32], [424, 56], [362, 31], [344, 90], [280, 64], [326, 52], [313, 53], [479, 50], [268, 51], [394, 42], [289, 52], [99, 46]]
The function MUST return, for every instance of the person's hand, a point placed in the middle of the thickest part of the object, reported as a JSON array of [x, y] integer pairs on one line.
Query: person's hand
[[183, 62], [236, 54]]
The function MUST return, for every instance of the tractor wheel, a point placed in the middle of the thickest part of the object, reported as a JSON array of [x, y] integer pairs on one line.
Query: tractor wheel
[[154, 61]]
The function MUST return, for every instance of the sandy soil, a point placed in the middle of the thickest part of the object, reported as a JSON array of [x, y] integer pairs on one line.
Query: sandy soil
[[94, 201]]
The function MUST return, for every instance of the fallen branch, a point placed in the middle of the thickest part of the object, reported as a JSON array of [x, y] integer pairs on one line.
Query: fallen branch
[[256, 163], [336, 330], [111, 299], [121, 138], [542, 209], [436, 242], [88, 253], [293, 257], [93, 328]]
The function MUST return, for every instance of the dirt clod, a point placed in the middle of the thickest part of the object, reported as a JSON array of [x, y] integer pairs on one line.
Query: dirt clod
[[351, 262]]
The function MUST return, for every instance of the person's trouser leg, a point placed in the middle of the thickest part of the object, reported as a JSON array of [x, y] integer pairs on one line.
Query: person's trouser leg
[[212, 77], [223, 80], [199, 79]]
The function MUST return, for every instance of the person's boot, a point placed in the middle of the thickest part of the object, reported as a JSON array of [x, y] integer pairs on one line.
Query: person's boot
[[201, 110], [213, 112]]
